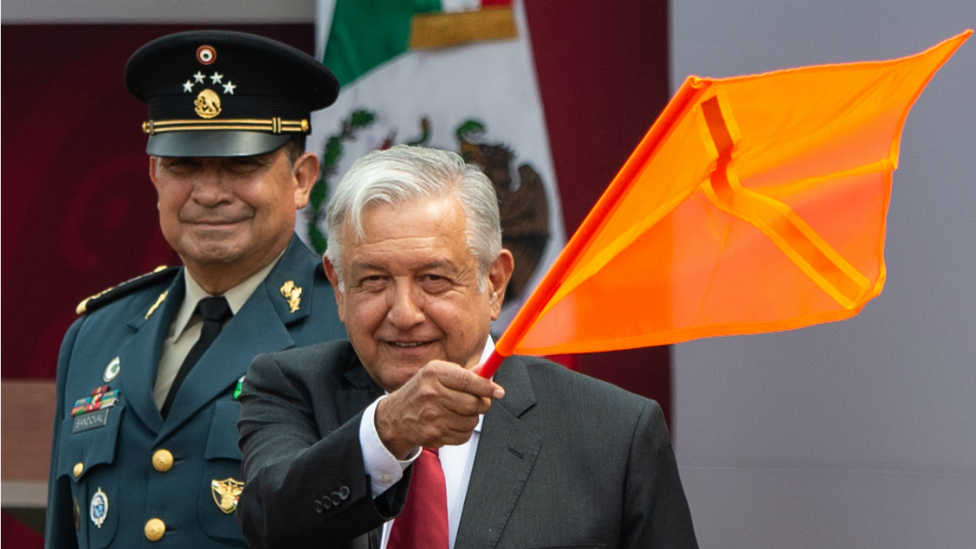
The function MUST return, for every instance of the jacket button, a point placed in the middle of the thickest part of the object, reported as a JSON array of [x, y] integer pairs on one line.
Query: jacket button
[[162, 460], [78, 468], [155, 529], [344, 492], [318, 507]]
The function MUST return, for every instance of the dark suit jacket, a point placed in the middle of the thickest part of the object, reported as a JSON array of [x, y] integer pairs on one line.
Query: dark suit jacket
[[563, 460], [200, 430]]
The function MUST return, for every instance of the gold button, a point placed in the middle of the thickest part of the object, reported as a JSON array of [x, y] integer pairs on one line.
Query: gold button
[[155, 529], [162, 460], [79, 467]]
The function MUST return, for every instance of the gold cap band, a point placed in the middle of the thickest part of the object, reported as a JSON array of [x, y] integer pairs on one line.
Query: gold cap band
[[272, 125]]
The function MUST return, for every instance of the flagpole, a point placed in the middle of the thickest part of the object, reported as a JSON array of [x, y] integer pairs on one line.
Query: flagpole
[[604, 207]]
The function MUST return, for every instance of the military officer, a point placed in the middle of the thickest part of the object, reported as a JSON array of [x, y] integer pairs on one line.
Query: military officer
[[145, 439]]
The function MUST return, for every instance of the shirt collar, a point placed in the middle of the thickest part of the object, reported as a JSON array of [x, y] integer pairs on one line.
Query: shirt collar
[[486, 352], [236, 296], [489, 348]]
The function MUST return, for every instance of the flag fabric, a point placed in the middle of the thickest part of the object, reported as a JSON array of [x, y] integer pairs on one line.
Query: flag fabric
[[455, 75], [753, 204]]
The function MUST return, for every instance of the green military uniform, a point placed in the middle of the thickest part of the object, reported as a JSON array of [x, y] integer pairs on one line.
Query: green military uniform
[[157, 476], [122, 473]]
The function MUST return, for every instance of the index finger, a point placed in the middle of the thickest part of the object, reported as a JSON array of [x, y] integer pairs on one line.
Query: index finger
[[467, 381]]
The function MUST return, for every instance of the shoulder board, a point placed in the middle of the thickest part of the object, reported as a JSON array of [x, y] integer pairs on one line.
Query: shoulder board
[[123, 289]]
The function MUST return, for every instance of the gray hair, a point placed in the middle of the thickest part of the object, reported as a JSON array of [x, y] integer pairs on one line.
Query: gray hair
[[404, 173]]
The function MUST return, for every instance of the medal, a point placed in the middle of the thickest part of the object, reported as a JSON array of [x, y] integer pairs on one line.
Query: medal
[[98, 510], [100, 398], [112, 370], [225, 493]]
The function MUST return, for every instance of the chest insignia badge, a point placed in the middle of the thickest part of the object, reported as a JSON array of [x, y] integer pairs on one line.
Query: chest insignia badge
[[101, 398], [293, 294], [98, 510], [225, 493], [239, 388], [112, 370]]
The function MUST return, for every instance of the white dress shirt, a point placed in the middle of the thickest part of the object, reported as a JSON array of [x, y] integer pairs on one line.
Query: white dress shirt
[[456, 462]]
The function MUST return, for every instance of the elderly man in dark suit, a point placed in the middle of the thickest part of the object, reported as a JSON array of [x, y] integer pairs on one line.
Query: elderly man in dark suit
[[338, 437], [145, 436]]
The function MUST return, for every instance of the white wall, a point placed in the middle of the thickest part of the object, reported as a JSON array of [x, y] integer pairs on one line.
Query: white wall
[[860, 433]]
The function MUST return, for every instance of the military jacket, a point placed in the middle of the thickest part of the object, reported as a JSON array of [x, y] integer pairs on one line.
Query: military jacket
[[123, 476]]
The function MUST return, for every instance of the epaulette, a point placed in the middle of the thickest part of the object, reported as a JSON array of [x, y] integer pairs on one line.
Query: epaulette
[[109, 295]]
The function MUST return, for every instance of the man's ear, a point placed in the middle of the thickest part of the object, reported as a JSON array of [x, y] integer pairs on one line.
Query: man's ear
[[152, 177], [305, 172], [152, 169], [498, 276], [333, 275]]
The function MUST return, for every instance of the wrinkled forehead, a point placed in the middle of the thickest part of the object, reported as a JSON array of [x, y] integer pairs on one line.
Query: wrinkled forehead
[[385, 216], [421, 229]]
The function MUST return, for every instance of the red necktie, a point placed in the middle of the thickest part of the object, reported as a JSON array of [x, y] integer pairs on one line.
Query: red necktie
[[423, 522]]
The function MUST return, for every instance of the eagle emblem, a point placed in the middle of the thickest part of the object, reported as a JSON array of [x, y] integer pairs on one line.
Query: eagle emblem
[[522, 201], [225, 493], [207, 104]]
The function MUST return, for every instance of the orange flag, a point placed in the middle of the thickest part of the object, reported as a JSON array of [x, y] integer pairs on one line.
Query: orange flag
[[754, 204]]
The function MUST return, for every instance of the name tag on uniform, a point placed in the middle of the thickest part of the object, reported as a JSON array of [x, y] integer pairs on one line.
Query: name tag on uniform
[[91, 420]]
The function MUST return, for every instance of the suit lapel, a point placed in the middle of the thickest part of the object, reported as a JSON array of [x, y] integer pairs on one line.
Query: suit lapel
[[255, 329], [261, 326], [360, 390], [507, 451], [139, 356]]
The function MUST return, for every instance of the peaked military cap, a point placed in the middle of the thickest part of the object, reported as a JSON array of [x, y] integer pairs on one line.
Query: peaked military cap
[[225, 93]]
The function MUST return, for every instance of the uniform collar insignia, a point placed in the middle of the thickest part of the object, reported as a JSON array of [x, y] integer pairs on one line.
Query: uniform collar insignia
[[293, 294]]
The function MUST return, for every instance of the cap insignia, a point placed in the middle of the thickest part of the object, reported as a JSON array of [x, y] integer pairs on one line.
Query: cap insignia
[[207, 104], [206, 55]]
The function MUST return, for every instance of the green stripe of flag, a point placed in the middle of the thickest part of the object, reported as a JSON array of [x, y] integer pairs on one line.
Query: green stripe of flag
[[367, 33]]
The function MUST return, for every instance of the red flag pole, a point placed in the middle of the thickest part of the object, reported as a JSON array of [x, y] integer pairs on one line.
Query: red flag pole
[[604, 207]]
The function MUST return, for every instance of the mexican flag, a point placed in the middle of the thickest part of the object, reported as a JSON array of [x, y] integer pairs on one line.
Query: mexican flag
[[454, 75]]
